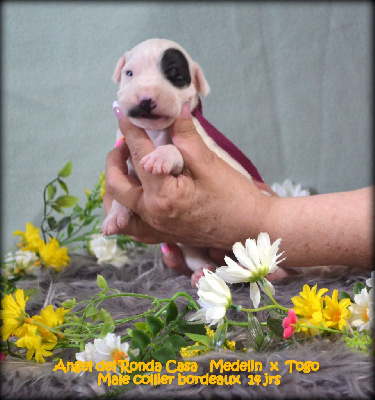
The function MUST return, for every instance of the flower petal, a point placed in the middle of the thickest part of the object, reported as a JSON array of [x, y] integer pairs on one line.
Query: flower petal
[[254, 294]]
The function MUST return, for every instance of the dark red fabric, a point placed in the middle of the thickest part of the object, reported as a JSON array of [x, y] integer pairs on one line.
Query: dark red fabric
[[226, 144]]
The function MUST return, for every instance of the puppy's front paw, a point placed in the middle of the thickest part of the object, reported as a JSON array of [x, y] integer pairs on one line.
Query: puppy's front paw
[[116, 220], [163, 161]]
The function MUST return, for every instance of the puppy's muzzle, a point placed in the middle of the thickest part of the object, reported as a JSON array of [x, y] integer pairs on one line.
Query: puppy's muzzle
[[143, 110]]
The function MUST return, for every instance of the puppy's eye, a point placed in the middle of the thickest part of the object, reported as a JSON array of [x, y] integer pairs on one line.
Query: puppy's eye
[[129, 73]]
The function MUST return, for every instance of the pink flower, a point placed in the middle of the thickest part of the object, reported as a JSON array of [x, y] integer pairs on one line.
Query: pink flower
[[290, 319], [2, 356]]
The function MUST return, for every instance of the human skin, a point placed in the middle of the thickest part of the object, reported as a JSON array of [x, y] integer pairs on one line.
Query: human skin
[[212, 205]]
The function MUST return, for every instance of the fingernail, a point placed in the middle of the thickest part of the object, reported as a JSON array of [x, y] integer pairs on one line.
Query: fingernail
[[165, 249], [185, 110], [116, 109], [119, 142]]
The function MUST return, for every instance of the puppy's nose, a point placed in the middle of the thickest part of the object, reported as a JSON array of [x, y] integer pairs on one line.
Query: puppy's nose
[[147, 105]]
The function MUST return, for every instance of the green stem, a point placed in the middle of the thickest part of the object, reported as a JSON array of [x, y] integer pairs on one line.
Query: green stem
[[318, 327], [263, 308], [45, 208], [264, 284]]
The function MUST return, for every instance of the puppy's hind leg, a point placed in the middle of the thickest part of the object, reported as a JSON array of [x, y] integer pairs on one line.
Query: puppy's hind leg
[[117, 219], [197, 260]]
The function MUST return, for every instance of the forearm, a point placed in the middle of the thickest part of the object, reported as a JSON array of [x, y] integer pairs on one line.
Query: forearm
[[327, 229]]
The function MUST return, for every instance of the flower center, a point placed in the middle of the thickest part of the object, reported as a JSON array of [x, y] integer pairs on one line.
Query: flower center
[[365, 315], [336, 316], [119, 355], [28, 320]]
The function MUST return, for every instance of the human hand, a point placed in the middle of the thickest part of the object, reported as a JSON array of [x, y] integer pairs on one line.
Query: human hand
[[207, 205]]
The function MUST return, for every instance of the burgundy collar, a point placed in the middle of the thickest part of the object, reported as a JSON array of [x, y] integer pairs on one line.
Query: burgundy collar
[[226, 144]]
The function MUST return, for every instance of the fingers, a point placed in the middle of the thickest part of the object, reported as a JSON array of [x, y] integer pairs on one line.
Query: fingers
[[119, 185], [174, 259], [191, 145]]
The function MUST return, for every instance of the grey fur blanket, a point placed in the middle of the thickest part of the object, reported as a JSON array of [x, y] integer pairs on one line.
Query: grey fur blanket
[[343, 373]]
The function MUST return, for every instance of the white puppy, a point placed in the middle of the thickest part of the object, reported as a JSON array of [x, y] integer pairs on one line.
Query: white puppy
[[157, 77]]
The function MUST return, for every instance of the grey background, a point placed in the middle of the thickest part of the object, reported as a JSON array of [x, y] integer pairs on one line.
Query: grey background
[[290, 85]]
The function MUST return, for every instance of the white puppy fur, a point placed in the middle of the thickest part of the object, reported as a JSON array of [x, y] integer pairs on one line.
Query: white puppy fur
[[157, 77]]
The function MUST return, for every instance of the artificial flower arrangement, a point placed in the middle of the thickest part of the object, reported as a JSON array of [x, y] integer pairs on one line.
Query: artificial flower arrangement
[[162, 331]]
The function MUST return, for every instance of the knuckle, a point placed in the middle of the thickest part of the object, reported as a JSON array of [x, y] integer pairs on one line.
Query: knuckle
[[110, 185]]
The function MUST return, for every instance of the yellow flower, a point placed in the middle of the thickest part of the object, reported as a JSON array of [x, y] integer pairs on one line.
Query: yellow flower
[[12, 313], [209, 332], [30, 239], [335, 312], [187, 352], [32, 341], [52, 255], [230, 344], [50, 318], [309, 308]]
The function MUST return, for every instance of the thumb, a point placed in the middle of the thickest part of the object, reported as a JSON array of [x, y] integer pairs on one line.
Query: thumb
[[190, 143]]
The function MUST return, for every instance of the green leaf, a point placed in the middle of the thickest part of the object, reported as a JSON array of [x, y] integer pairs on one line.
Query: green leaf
[[108, 327], [63, 223], [197, 347], [66, 201], [52, 223], [31, 292], [66, 170], [268, 339], [357, 288], [139, 340], [63, 186], [104, 315], [219, 336], [172, 312], [89, 220], [155, 324], [345, 295], [102, 283], [276, 326], [70, 303], [163, 355], [70, 229], [255, 330], [57, 208], [206, 340], [184, 327], [93, 313], [142, 326], [51, 191], [175, 342]]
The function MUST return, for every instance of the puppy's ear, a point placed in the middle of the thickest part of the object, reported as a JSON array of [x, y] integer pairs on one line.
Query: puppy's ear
[[200, 81], [117, 74]]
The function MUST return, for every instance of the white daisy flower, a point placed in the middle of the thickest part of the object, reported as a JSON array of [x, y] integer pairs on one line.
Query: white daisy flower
[[108, 348], [107, 251], [25, 261], [257, 259], [288, 189], [362, 310], [214, 298]]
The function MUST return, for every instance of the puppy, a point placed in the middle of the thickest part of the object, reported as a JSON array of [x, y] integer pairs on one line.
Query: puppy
[[157, 77]]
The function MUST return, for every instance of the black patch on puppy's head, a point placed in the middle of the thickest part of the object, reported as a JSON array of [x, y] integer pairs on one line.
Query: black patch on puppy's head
[[175, 68]]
